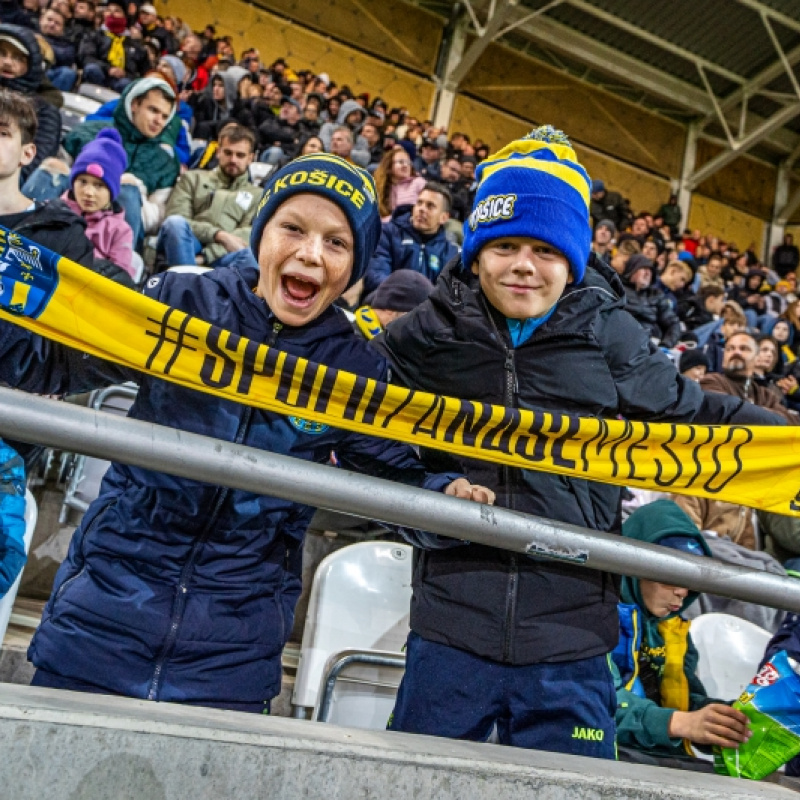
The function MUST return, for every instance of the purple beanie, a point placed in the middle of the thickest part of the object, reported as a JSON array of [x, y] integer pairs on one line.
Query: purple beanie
[[103, 158]]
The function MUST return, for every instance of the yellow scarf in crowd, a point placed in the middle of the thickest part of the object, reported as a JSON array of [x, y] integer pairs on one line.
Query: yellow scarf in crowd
[[116, 55], [54, 297]]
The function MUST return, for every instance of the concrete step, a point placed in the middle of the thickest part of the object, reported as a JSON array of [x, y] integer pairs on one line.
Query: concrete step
[[65, 746]]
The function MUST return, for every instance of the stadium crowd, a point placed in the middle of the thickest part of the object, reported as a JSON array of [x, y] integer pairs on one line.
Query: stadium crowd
[[163, 175]]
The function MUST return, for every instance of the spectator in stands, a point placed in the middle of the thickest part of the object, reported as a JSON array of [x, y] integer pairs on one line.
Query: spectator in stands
[[374, 139], [450, 178], [142, 117], [507, 324], [398, 185], [705, 307], [212, 107], [671, 214], [351, 115], [82, 22], [738, 368], [52, 26], [712, 337], [278, 136], [148, 24], [693, 364], [662, 707], [607, 205], [210, 214], [711, 272], [603, 238], [625, 250], [414, 239], [190, 52], [110, 624], [400, 293], [777, 301], [750, 297], [427, 163], [22, 70], [111, 56], [647, 304], [95, 183], [52, 224], [786, 257], [20, 12], [310, 122], [12, 517]]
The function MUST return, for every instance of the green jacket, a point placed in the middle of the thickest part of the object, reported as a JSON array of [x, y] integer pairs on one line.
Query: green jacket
[[152, 160], [211, 202], [648, 691]]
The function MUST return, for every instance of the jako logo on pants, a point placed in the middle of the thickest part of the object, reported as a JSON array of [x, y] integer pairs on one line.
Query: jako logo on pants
[[591, 734]]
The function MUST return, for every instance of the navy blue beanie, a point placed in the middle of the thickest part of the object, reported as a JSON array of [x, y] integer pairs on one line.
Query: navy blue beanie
[[534, 187], [331, 177]]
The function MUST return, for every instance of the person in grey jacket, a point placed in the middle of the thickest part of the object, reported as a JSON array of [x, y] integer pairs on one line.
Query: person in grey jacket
[[352, 115]]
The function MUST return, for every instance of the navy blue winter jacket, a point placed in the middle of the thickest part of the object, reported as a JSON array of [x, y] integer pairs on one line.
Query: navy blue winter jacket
[[402, 247], [181, 591]]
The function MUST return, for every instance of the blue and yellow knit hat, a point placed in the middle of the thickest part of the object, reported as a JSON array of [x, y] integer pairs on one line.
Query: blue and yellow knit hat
[[533, 187], [349, 186]]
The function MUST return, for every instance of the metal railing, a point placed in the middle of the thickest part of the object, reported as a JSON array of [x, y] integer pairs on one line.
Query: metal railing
[[41, 421]]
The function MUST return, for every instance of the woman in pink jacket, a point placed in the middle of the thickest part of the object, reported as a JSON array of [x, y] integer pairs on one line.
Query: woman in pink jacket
[[397, 182], [95, 180]]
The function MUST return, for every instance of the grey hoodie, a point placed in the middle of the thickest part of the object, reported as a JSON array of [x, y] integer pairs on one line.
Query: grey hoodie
[[360, 153]]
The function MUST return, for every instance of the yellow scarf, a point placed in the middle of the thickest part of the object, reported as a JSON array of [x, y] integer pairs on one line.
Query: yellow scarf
[[674, 684], [116, 55]]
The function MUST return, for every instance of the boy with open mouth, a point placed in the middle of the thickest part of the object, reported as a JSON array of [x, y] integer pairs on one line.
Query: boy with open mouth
[[180, 591]]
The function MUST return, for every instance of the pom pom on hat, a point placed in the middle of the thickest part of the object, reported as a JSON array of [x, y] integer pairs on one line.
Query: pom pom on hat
[[104, 158], [533, 187], [348, 186]]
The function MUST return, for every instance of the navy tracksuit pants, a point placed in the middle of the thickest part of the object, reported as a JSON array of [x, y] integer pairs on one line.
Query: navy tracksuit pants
[[566, 707]]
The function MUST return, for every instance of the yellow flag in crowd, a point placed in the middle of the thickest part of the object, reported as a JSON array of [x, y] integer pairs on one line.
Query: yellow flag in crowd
[[54, 297]]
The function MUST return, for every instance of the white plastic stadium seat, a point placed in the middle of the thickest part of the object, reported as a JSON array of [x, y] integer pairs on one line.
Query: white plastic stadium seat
[[80, 103], [730, 651], [86, 473], [98, 92], [360, 600], [7, 602]]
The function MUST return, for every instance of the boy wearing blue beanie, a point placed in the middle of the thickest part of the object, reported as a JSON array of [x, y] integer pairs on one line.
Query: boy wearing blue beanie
[[528, 319], [177, 590]]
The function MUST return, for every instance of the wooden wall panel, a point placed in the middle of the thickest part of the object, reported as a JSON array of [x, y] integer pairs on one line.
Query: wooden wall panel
[[305, 49], [400, 32], [480, 121], [746, 184], [541, 95], [710, 216]]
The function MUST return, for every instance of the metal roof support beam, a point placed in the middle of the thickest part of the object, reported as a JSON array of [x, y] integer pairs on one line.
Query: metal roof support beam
[[785, 61], [791, 205], [445, 97], [715, 103], [640, 33], [776, 228], [756, 83], [741, 146], [486, 34], [789, 22], [689, 161]]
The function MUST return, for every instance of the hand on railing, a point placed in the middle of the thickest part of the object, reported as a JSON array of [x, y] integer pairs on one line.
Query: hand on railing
[[462, 488]]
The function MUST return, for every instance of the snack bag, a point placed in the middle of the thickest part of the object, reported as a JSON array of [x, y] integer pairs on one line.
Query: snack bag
[[772, 703]]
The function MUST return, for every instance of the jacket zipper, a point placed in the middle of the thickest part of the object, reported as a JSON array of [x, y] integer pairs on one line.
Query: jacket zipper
[[510, 391], [179, 604]]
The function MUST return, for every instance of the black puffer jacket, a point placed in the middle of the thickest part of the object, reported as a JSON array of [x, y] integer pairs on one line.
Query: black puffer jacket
[[48, 131], [651, 307], [55, 226], [590, 358]]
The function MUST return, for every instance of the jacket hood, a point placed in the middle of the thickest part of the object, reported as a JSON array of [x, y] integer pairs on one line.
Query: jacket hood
[[347, 108], [754, 273], [230, 78], [30, 81], [652, 523], [123, 118], [635, 263]]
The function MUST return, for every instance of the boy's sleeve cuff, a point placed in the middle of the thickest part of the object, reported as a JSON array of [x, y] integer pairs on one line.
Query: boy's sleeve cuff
[[656, 722]]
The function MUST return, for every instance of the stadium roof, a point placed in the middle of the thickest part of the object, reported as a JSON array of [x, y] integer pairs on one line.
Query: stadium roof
[[729, 66]]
